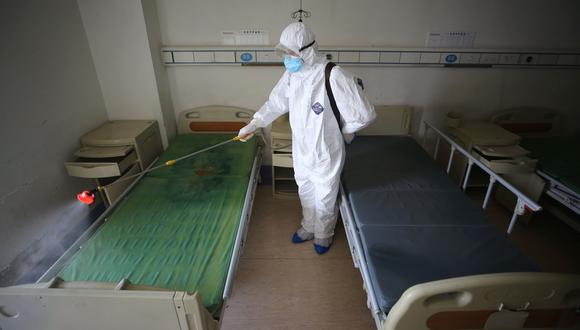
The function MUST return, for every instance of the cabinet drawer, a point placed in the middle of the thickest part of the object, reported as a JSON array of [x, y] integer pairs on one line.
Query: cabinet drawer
[[103, 152], [282, 160], [281, 145], [507, 166], [512, 151], [100, 167]]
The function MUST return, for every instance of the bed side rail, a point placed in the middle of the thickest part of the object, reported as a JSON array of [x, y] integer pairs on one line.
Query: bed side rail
[[523, 202], [491, 301], [358, 255], [244, 224], [100, 305]]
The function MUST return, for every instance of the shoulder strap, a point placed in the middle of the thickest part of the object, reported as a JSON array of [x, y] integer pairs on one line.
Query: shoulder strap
[[327, 71]]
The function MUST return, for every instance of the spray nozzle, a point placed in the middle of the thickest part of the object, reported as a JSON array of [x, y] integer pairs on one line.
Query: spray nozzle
[[88, 196]]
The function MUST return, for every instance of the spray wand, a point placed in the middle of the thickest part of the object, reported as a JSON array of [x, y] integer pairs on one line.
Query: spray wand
[[88, 196]]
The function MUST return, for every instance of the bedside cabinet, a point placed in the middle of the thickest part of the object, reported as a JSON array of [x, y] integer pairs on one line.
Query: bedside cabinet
[[283, 184], [115, 150], [494, 146]]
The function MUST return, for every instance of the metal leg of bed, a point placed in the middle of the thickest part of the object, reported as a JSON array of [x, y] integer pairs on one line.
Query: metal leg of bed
[[358, 253], [518, 210], [436, 151], [243, 225], [451, 154], [524, 202], [488, 192], [467, 174]]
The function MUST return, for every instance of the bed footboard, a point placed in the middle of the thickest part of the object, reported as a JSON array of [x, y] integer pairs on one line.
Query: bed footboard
[[63, 305], [492, 301]]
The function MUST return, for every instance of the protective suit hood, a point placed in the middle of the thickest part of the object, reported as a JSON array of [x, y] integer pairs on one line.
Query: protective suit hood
[[297, 36]]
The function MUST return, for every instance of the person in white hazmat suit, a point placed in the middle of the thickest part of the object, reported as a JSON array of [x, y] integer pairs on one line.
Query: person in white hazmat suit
[[317, 143]]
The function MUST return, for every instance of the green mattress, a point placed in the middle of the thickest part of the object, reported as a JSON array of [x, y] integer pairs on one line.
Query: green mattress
[[176, 228], [558, 157]]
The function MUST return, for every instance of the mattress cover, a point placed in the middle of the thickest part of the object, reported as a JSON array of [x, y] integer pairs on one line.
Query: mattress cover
[[416, 225], [176, 228]]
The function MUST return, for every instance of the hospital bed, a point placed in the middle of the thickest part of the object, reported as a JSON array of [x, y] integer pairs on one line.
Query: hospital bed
[[428, 257], [164, 255], [558, 157]]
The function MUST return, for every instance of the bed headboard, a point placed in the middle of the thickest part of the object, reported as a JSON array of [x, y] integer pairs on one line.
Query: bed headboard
[[391, 120], [528, 121], [213, 119]]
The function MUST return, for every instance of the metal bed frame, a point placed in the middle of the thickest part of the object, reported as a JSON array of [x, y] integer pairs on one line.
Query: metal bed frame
[[561, 193], [564, 196], [542, 122], [523, 202], [396, 317], [17, 304]]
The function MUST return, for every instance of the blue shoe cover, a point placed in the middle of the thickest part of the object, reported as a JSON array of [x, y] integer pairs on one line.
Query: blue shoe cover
[[321, 249], [296, 239]]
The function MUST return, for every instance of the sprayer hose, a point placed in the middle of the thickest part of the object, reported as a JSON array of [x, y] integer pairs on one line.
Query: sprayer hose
[[169, 162]]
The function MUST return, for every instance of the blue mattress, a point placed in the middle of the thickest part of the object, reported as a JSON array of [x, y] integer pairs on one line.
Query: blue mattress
[[415, 223]]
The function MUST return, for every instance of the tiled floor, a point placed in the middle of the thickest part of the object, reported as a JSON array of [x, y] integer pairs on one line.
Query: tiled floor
[[552, 244], [280, 285]]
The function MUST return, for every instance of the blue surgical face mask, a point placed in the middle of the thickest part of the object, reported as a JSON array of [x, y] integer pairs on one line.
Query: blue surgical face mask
[[293, 64]]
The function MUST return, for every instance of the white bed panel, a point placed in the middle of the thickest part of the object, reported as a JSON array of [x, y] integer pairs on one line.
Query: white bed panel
[[391, 120], [212, 114], [423, 306]]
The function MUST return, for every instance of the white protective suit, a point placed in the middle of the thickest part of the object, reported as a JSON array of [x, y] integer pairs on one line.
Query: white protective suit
[[317, 143]]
